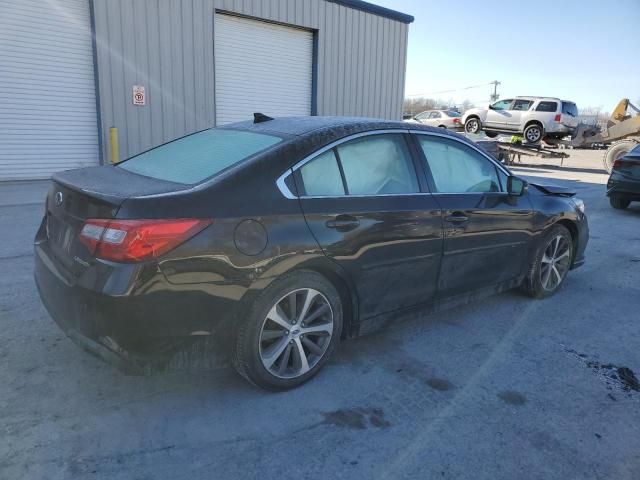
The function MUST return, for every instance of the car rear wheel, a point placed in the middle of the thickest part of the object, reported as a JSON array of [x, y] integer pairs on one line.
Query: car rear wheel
[[550, 264], [619, 202], [533, 133], [491, 134], [472, 125], [291, 331]]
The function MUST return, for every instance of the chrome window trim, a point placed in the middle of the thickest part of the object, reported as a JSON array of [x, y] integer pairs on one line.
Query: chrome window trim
[[282, 186]]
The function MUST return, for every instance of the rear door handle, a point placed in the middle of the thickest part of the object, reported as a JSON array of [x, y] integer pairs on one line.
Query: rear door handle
[[457, 217], [343, 223]]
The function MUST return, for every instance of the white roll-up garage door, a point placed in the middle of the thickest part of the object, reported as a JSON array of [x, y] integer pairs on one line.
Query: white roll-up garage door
[[48, 117], [261, 67]]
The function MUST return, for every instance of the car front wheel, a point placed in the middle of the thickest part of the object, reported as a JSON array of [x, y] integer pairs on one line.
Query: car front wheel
[[290, 332], [550, 264], [472, 125]]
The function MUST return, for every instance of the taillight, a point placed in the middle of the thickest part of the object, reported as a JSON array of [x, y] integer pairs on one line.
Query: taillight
[[558, 117], [137, 240], [456, 120], [621, 164]]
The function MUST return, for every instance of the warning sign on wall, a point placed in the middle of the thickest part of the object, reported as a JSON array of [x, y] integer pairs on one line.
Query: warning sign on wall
[[139, 98]]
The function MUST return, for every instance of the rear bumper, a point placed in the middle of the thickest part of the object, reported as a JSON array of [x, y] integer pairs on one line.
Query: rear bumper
[[559, 128], [130, 330], [619, 184]]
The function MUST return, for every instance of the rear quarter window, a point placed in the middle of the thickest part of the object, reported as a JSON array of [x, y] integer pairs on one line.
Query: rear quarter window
[[547, 107], [194, 158]]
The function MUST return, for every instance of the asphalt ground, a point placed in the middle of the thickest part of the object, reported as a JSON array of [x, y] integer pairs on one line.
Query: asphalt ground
[[504, 388]]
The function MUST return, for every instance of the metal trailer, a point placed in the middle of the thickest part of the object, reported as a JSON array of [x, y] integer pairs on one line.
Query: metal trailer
[[622, 133], [512, 152]]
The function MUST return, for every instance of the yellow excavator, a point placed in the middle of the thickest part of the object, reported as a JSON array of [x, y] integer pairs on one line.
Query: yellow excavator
[[622, 133]]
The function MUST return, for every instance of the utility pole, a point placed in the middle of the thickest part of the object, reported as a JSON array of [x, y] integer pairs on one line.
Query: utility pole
[[494, 97]]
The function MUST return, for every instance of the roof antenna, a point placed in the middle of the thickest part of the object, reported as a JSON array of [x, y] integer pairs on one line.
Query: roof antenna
[[260, 117]]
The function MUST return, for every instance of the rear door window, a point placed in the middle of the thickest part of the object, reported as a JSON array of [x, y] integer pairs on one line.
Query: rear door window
[[194, 158], [378, 165], [521, 105], [547, 107]]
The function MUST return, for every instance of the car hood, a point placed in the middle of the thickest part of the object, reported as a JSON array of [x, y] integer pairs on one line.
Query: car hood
[[556, 190]]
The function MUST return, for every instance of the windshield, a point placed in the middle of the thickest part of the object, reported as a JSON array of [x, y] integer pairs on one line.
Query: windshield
[[194, 158]]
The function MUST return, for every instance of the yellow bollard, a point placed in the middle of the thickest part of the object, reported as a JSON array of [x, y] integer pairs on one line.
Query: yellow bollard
[[113, 143]]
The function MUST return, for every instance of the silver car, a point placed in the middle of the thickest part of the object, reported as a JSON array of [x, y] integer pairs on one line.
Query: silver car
[[440, 118], [535, 118]]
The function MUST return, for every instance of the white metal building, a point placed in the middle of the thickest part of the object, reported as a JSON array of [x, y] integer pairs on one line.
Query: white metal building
[[70, 70]]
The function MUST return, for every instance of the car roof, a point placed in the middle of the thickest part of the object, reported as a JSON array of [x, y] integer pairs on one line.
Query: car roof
[[524, 97], [329, 129], [298, 126]]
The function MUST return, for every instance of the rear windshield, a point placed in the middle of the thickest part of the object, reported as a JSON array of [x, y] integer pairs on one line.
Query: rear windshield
[[451, 113], [193, 158], [569, 108]]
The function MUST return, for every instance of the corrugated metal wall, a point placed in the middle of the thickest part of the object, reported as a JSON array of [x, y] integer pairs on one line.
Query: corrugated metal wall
[[167, 46]]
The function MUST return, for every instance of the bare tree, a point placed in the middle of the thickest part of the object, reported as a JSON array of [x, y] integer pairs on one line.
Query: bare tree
[[466, 105]]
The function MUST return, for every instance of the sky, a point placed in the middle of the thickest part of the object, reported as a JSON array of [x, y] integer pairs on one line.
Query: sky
[[587, 51]]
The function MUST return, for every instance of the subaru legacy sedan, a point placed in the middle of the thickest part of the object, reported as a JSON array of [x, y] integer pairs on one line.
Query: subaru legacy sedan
[[277, 238]]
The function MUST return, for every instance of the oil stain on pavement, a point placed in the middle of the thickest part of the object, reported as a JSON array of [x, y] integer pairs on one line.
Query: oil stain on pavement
[[511, 397], [357, 418]]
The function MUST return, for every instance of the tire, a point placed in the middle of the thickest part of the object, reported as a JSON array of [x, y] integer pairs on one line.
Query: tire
[[442, 126], [545, 277], [615, 151], [533, 133], [491, 134], [267, 352], [472, 125], [618, 202]]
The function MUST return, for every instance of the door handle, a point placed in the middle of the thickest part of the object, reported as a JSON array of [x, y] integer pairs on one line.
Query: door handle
[[343, 223], [457, 217]]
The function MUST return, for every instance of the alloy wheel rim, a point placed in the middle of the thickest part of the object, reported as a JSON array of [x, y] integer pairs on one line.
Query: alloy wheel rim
[[472, 126], [533, 134], [296, 333], [555, 263]]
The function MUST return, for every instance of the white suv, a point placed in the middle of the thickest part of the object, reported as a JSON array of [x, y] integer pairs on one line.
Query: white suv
[[535, 118]]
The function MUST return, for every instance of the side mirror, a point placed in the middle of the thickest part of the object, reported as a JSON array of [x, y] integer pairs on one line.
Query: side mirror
[[515, 186], [490, 107]]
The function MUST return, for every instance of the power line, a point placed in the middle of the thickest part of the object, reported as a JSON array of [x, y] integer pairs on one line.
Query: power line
[[455, 89]]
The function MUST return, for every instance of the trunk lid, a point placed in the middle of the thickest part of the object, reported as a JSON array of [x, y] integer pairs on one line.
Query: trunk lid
[[95, 192], [629, 165]]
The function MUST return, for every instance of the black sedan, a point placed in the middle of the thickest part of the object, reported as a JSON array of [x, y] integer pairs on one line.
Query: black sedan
[[623, 186], [277, 238]]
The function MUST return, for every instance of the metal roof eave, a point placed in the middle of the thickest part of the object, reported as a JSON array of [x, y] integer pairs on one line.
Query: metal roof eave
[[375, 9]]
